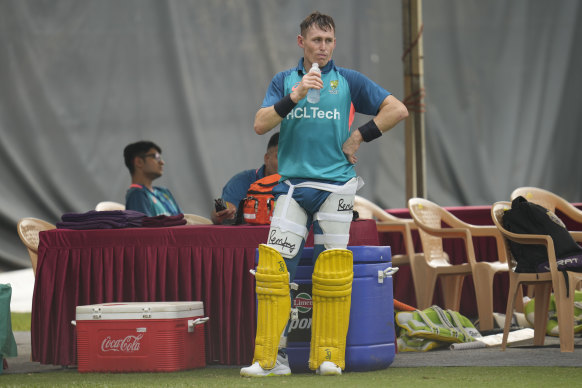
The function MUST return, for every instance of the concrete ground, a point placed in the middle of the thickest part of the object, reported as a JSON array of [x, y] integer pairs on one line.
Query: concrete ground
[[22, 363], [547, 355]]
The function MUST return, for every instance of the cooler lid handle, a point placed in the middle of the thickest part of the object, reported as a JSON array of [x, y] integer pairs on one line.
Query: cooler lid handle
[[192, 323]]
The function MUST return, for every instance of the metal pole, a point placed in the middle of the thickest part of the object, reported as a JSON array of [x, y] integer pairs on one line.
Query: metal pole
[[414, 98]]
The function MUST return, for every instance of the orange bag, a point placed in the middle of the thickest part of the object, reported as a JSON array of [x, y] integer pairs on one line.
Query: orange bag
[[259, 204]]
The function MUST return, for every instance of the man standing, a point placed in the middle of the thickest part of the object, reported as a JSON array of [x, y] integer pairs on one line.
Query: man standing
[[317, 154], [145, 164]]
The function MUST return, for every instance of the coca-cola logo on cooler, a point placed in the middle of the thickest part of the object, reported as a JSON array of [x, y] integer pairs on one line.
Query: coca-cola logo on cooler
[[129, 344]]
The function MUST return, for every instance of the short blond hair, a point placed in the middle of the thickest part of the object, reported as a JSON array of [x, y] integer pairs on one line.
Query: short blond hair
[[322, 21]]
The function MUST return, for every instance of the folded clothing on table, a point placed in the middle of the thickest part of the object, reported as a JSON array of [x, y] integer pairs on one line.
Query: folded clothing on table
[[93, 219], [162, 220]]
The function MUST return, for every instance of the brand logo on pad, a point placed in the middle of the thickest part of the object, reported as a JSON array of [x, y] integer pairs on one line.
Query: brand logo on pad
[[303, 302]]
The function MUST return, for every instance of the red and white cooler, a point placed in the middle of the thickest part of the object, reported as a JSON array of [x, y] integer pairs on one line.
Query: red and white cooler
[[140, 337]]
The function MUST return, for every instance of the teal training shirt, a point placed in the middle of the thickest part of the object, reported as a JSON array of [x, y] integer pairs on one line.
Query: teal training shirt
[[160, 202], [312, 135]]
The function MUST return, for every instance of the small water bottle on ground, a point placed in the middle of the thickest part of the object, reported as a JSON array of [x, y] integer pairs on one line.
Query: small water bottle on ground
[[313, 94]]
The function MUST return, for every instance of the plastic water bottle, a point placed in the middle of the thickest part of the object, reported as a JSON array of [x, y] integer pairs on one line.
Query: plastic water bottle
[[313, 94]]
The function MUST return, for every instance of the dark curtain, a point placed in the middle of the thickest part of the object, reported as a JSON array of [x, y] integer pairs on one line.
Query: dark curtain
[[80, 79]]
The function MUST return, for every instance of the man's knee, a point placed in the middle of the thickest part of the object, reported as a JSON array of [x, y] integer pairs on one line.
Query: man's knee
[[288, 227], [334, 218]]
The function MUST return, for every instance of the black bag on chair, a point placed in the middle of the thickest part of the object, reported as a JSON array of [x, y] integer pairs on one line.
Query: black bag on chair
[[529, 218]]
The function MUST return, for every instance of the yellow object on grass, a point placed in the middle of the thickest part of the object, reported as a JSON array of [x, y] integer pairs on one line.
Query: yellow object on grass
[[552, 327], [433, 327]]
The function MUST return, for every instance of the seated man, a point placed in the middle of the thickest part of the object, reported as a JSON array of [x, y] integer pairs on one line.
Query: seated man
[[145, 163], [236, 188]]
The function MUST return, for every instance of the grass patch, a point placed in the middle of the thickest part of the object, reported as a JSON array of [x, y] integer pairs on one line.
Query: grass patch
[[228, 376], [20, 321]]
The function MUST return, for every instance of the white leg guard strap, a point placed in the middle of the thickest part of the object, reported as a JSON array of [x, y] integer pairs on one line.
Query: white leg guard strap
[[288, 228], [332, 289]]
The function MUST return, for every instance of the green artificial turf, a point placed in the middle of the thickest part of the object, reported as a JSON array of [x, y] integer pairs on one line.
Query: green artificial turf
[[220, 376], [20, 321]]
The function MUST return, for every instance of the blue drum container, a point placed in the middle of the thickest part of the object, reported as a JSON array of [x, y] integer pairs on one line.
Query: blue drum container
[[370, 340]]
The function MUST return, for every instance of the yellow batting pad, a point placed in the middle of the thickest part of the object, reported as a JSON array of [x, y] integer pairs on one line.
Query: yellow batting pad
[[274, 305], [332, 293]]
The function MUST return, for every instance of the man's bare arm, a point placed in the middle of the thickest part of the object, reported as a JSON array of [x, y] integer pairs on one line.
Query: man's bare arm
[[268, 118], [390, 113]]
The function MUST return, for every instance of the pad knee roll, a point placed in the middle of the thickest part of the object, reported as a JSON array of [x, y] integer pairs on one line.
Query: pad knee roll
[[332, 289], [273, 307]]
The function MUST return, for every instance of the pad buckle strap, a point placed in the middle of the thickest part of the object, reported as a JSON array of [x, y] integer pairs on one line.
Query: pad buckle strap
[[346, 218], [445, 320], [427, 321], [289, 226], [468, 337], [294, 314], [331, 239]]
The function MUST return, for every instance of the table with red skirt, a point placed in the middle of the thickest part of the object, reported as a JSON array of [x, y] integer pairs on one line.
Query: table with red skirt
[[208, 263]]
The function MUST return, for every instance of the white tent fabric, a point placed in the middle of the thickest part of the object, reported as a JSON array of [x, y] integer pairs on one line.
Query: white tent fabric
[[80, 79]]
